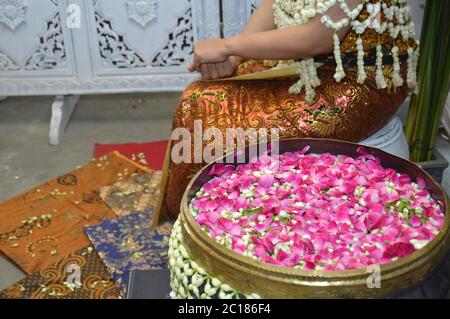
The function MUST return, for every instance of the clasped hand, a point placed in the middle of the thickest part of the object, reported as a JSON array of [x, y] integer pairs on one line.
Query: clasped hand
[[212, 59]]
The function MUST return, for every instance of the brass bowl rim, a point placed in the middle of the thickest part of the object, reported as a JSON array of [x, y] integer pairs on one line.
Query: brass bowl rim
[[350, 274]]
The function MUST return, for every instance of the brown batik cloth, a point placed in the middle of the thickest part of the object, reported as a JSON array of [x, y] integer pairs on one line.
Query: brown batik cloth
[[56, 281], [137, 194], [43, 225]]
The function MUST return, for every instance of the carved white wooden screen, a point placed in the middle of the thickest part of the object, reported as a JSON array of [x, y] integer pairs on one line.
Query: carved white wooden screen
[[121, 45], [235, 14]]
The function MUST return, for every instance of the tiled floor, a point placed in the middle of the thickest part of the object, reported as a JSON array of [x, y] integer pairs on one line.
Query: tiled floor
[[25, 152]]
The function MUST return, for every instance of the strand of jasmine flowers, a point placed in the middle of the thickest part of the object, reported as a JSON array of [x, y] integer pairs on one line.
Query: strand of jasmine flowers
[[389, 12], [413, 54], [411, 77], [379, 77], [359, 28], [402, 15], [312, 70], [308, 80], [380, 28], [397, 80], [340, 73], [359, 45], [360, 61]]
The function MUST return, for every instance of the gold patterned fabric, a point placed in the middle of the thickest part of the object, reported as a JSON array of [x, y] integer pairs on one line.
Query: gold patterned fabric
[[54, 281], [346, 111], [137, 194]]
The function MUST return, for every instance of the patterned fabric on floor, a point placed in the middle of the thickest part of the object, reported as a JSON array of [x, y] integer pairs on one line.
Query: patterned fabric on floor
[[59, 281], [39, 227], [137, 194], [128, 243], [148, 154]]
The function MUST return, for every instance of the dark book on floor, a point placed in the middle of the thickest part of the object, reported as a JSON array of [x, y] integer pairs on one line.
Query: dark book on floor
[[149, 284]]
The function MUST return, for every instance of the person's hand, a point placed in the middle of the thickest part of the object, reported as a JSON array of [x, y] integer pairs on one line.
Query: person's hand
[[210, 51], [212, 71]]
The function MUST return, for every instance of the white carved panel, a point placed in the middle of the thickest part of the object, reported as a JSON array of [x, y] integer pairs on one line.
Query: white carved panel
[[235, 14], [121, 46], [33, 39], [145, 36]]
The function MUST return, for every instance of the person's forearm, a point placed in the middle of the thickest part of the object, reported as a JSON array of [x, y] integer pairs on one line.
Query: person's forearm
[[310, 39], [262, 19], [283, 44]]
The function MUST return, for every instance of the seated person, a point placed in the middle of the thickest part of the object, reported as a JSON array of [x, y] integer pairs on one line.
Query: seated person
[[356, 61]]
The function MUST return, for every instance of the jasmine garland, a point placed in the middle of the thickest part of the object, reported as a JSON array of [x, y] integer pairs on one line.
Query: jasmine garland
[[296, 12]]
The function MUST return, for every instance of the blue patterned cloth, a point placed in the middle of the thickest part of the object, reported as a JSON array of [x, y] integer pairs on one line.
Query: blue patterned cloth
[[128, 243]]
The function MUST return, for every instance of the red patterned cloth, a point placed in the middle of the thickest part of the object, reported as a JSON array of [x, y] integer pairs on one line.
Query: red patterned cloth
[[148, 154]]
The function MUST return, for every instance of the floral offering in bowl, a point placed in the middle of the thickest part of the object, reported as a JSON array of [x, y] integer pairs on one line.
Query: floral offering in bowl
[[315, 221], [317, 211]]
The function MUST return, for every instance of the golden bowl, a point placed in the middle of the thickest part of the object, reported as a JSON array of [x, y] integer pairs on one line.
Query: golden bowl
[[270, 281]]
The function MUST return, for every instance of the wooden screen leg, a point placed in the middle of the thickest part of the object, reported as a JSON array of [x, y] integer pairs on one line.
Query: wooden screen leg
[[62, 110], [162, 188]]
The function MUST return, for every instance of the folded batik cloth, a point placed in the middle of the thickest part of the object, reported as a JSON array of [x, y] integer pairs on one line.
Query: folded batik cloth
[[39, 227], [80, 275], [139, 193], [128, 243]]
